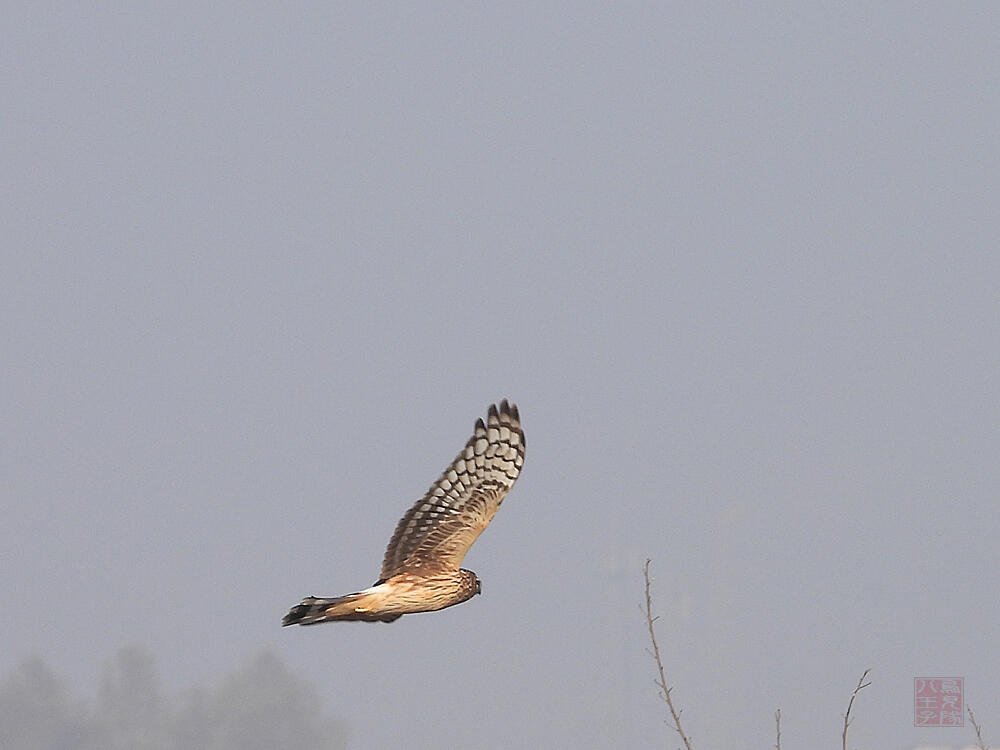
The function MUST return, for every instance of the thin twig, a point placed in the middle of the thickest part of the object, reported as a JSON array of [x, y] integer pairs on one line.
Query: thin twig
[[777, 726], [980, 743], [847, 717], [662, 681]]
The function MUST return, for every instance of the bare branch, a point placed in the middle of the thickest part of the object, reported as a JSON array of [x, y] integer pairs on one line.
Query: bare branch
[[847, 716], [662, 681], [980, 743], [777, 726]]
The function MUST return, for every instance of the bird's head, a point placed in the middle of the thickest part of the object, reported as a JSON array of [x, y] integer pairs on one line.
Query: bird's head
[[473, 582]]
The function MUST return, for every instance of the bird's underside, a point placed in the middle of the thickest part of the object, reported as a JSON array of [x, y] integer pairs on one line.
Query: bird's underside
[[420, 570], [389, 600]]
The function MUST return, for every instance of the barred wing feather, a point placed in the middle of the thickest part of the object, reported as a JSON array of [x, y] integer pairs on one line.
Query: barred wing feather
[[439, 529]]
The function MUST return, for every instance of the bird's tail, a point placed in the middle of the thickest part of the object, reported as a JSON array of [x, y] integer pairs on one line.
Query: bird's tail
[[314, 610]]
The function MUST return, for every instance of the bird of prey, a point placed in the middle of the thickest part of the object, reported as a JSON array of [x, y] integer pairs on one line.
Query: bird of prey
[[420, 570]]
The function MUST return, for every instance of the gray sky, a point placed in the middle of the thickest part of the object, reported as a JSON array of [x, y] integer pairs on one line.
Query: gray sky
[[263, 268]]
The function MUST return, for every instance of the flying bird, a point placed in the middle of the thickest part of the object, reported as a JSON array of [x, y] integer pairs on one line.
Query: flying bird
[[420, 570]]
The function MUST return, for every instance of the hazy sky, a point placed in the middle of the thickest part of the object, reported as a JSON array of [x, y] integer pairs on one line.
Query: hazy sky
[[263, 267]]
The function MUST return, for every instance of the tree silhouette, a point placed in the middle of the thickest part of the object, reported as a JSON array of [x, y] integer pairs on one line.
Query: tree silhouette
[[263, 704]]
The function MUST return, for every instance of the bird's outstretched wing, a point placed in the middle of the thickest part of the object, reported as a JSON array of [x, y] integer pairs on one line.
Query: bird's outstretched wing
[[439, 529]]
